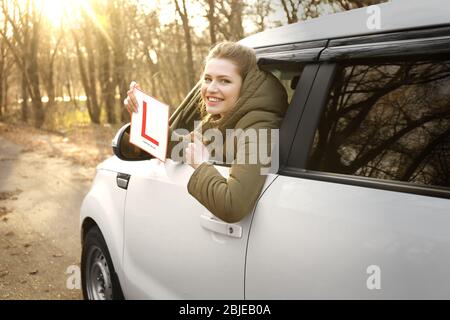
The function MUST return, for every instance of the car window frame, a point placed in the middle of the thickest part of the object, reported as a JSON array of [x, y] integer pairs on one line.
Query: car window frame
[[356, 50]]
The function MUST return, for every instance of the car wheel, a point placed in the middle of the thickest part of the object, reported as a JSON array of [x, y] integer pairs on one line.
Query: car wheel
[[99, 279]]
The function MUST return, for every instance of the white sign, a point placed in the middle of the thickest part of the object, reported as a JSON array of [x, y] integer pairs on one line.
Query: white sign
[[150, 125]]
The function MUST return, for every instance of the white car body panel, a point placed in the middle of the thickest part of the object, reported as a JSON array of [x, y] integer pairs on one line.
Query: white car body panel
[[315, 240]]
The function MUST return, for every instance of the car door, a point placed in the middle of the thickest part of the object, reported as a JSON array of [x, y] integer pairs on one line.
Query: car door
[[174, 247], [361, 209]]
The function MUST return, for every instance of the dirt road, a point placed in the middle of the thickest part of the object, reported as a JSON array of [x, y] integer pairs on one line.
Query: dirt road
[[40, 198]]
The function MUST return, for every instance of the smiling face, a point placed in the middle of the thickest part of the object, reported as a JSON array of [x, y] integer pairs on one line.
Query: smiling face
[[221, 86]]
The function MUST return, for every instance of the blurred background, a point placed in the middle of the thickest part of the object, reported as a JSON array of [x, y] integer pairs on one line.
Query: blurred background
[[65, 62]]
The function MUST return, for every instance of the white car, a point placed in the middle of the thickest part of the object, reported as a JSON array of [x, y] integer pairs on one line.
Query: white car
[[360, 206]]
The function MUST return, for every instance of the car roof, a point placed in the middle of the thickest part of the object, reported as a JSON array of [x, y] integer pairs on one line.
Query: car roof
[[395, 16]]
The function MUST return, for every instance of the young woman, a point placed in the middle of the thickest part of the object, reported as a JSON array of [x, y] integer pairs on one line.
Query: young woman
[[235, 94]]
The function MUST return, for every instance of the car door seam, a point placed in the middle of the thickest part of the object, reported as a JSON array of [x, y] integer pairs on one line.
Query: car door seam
[[250, 229]]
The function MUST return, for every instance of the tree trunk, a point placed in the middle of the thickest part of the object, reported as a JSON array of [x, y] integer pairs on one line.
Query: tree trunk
[[94, 114], [188, 40], [71, 94], [118, 18], [2, 79], [5, 96], [1, 98], [24, 104], [48, 75], [106, 80], [33, 76], [3, 75], [119, 79], [290, 10], [51, 88], [237, 10], [91, 78], [212, 21]]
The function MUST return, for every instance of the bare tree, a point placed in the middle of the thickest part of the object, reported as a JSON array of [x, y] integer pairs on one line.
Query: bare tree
[[230, 18], [352, 4], [159, 59], [6, 64], [105, 76], [296, 10], [48, 52], [24, 45], [121, 13], [183, 13], [212, 19], [290, 8], [259, 13], [87, 73]]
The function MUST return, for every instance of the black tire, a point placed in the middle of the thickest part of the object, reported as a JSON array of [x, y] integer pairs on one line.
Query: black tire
[[98, 277]]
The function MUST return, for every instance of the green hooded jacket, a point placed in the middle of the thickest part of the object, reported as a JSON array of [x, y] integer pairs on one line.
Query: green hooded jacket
[[262, 105]]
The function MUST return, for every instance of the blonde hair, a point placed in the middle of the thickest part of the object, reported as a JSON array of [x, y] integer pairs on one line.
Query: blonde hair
[[243, 57]]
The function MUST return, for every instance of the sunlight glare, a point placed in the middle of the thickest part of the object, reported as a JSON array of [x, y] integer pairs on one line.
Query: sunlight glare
[[58, 11], [53, 10]]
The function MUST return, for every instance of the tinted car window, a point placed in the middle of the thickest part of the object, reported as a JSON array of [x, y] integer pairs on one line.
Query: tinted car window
[[387, 121]]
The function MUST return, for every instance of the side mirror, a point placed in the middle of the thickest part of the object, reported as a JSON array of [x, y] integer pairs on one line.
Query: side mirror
[[124, 150]]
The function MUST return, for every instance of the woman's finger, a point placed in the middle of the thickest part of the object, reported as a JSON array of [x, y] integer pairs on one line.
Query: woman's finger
[[134, 84], [125, 103], [132, 97], [132, 103]]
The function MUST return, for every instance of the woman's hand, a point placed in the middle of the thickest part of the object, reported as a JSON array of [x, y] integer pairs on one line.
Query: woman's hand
[[196, 153], [130, 102]]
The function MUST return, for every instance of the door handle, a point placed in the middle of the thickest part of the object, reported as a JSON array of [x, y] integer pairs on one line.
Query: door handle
[[122, 180], [217, 226]]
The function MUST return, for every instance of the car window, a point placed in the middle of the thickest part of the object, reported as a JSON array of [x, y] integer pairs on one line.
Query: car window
[[387, 121]]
